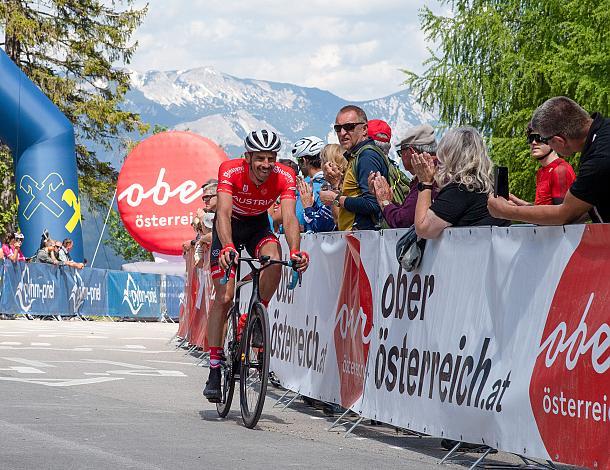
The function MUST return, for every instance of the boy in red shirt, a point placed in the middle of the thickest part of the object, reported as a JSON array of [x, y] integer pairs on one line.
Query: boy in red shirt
[[553, 178]]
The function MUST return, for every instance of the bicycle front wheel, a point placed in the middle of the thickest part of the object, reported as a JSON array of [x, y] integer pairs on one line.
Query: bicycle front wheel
[[231, 348], [254, 371]]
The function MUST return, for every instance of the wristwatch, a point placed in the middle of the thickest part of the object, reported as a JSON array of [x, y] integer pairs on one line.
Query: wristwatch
[[423, 186], [385, 203], [336, 200]]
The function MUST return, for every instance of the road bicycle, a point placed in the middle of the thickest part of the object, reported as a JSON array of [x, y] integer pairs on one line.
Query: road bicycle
[[247, 355]]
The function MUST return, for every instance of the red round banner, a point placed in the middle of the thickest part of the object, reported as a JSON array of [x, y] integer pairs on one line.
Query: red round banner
[[159, 188]]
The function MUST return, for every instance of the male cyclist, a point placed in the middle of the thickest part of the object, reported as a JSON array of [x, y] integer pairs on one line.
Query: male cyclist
[[246, 189]]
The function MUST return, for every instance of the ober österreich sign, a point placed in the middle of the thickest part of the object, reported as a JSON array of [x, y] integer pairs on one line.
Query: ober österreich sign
[[159, 188]]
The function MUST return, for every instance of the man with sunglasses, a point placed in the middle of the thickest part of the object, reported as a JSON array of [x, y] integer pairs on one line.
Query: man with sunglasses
[[209, 196], [553, 178], [358, 208], [567, 129]]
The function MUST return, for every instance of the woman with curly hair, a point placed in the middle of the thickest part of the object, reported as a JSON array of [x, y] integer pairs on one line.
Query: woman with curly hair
[[464, 176]]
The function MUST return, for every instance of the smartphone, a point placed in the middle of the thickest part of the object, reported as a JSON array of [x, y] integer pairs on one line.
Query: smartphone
[[501, 181]]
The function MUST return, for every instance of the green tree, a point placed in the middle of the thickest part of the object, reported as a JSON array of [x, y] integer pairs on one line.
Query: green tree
[[122, 243], [119, 238], [69, 48], [8, 214], [497, 60]]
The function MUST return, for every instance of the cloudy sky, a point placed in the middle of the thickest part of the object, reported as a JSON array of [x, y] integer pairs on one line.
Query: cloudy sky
[[354, 48]]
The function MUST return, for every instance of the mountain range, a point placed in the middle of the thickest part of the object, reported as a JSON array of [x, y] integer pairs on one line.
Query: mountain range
[[225, 108]]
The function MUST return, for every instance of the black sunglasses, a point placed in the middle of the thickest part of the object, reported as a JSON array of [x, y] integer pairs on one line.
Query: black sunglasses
[[531, 138], [348, 126], [208, 198]]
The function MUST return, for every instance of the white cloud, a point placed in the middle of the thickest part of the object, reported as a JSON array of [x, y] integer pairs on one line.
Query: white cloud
[[354, 48]]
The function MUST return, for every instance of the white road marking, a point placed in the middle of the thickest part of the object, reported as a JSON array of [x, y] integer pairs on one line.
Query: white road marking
[[140, 351], [172, 362], [97, 373], [143, 338], [62, 382], [24, 370], [27, 362], [150, 373], [10, 343], [114, 363], [43, 348], [315, 417], [396, 447], [134, 346], [40, 344]]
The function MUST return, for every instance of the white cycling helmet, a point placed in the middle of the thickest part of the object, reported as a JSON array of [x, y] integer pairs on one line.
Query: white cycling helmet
[[262, 141], [307, 147]]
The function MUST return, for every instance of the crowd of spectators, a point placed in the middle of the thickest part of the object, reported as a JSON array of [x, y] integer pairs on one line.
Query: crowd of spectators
[[451, 181], [51, 251], [348, 186]]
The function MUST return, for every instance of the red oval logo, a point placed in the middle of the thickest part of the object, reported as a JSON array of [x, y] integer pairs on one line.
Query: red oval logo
[[570, 385], [159, 188]]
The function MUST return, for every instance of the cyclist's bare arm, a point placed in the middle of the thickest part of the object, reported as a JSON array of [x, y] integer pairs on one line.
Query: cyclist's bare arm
[[292, 231], [224, 210], [291, 223]]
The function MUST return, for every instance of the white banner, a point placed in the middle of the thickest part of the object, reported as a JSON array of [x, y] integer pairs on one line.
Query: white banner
[[320, 333], [500, 337]]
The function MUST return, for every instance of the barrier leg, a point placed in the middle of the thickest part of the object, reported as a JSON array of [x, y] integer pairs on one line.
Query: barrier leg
[[205, 357], [337, 422], [280, 401], [480, 459], [450, 453], [290, 401], [349, 431]]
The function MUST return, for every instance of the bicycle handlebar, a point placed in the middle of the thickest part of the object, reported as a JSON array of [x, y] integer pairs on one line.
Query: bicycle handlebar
[[227, 275], [297, 277]]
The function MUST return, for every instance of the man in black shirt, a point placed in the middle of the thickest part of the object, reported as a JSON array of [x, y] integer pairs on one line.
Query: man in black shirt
[[567, 128]]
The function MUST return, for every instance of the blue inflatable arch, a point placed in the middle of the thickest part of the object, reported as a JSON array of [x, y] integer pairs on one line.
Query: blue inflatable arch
[[41, 140]]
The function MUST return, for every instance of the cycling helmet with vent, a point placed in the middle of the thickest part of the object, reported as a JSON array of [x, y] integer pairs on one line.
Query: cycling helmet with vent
[[307, 147], [262, 141]]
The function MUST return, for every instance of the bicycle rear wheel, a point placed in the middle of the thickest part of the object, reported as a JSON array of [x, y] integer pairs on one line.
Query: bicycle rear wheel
[[231, 347], [254, 371]]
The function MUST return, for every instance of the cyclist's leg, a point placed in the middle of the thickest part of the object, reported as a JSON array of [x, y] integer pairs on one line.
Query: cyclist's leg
[[270, 277], [263, 242], [216, 321]]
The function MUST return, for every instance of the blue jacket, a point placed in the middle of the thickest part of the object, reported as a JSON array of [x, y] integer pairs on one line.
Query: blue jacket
[[318, 218]]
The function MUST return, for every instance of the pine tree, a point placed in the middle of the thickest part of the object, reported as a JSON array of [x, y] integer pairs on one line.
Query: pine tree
[[497, 60], [69, 48]]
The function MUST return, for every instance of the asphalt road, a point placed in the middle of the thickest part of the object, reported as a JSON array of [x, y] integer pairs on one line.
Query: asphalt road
[[100, 395]]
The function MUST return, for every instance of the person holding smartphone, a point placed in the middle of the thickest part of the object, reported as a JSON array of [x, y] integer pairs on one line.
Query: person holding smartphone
[[12, 247]]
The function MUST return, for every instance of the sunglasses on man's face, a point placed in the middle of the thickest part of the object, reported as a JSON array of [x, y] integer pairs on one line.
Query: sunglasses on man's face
[[531, 138], [348, 126], [208, 198]]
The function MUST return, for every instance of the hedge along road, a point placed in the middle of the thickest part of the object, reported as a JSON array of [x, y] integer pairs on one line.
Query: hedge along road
[[101, 395]]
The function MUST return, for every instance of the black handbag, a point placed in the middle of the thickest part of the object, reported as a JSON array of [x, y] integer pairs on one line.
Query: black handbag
[[410, 250]]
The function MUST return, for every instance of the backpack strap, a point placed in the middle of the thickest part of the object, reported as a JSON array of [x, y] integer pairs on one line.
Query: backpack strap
[[375, 149]]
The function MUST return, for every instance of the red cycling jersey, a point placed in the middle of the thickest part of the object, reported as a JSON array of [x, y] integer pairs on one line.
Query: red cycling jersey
[[248, 198], [553, 182]]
